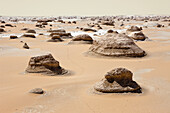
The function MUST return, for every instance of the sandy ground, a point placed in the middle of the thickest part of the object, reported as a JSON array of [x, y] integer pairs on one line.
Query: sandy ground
[[74, 93]]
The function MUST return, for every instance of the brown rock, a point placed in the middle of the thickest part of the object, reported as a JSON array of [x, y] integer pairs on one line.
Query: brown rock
[[9, 25], [57, 30], [37, 91], [62, 34], [111, 31], [31, 31], [45, 64], [138, 36], [55, 38], [29, 35], [134, 28], [118, 80], [109, 23], [13, 37], [88, 29], [82, 39], [2, 30], [26, 46]]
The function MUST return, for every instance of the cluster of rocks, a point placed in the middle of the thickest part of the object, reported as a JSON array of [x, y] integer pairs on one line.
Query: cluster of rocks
[[30, 33], [94, 25], [71, 22], [60, 32], [135, 33]]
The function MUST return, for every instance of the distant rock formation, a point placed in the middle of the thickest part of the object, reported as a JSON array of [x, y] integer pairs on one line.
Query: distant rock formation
[[45, 64], [118, 80]]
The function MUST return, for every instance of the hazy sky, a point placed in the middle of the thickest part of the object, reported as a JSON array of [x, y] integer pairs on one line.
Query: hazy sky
[[83, 7]]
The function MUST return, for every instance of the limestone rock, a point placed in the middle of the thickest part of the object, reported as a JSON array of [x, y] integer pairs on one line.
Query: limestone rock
[[117, 45], [45, 64], [118, 80]]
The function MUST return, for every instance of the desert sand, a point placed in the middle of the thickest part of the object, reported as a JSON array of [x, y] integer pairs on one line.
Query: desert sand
[[74, 92]]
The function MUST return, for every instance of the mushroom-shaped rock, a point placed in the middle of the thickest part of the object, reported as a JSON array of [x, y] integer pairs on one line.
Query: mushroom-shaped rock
[[45, 64], [37, 91], [118, 80], [114, 44], [31, 31], [138, 35], [26, 46], [83, 38]]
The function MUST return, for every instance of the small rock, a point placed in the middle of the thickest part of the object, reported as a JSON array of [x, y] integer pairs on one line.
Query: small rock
[[26, 46], [37, 91], [13, 37]]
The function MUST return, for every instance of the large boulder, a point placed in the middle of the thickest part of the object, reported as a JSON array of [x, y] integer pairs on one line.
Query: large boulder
[[45, 64], [113, 44], [118, 80]]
